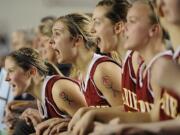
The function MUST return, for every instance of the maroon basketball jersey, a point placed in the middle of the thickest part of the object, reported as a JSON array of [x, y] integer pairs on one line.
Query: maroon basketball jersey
[[170, 105], [129, 84], [48, 107], [143, 88], [92, 94], [170, 101]]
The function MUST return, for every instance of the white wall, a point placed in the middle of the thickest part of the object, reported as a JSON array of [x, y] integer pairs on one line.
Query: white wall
[[16, 14]]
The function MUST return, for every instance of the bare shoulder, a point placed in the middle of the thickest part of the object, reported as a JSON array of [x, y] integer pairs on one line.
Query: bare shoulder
[[65, 84], [108, 67], [67, 96], [107, 76]]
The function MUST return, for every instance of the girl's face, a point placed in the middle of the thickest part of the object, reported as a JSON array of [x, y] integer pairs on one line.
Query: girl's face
[[46, 50], [16, 76], [170, 9], [137, 27], [104, 30], [63, 43]]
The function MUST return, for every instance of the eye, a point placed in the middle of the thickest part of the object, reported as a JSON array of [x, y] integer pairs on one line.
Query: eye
[[10, 71], [131, 21], [57, 34], [97, 22]]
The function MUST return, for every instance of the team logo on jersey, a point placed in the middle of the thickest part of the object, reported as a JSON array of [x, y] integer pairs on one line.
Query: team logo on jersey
[[130, 100], [169, 105]]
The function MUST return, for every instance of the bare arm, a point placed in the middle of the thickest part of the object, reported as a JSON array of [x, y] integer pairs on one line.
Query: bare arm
[[85, 124], [107, 78], [167, 74], [20, 105], [15, 108], [107, 114], [69, 99], [104, 115], [157, 126], [67, 96]]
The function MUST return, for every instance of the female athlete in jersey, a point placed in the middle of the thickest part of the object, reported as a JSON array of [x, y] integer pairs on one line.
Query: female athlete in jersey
[[73, 42], [58, 96], [165, 69]]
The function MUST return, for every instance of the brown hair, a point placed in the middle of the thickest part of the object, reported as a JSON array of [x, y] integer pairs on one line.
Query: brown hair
[[117, 11], [79, 24], [28, 57]]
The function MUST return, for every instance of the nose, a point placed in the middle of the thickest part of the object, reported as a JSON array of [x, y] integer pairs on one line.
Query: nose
[[126, 27], [52, 42], [7, 77], [92, 29]]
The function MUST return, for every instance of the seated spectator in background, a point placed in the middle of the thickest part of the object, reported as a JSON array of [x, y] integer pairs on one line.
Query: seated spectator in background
[[22, 38]]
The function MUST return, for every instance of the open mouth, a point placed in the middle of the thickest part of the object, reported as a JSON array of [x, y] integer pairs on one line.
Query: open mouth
[[13, 86], [58, 54]]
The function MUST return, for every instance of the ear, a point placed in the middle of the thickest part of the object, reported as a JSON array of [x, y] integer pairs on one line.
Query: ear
[[31, 71], [78, 40], [154, 30], [119, 27]]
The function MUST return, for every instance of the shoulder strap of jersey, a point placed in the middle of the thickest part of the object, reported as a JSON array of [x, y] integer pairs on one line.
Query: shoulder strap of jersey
[[101, 60]]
